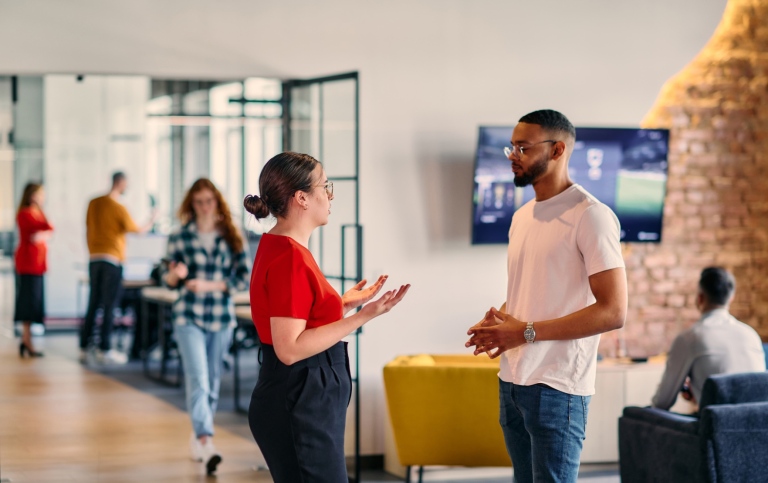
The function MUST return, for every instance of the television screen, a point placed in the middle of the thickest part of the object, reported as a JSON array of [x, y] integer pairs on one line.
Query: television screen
[[624, 168]]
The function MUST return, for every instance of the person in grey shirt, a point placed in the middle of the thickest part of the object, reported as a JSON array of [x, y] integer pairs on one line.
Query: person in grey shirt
[[716, 344]]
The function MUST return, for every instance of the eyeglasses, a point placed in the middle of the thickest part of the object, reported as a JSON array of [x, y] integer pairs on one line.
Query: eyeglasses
[[520, 150], [328, 185]]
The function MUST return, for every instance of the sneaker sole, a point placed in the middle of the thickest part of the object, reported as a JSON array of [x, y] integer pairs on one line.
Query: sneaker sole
[[210, 466]]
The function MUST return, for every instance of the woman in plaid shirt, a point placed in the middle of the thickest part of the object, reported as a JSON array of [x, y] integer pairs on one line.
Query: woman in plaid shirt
[[207, 263]]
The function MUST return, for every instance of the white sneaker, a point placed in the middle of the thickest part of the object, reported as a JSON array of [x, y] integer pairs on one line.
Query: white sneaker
[[111, 357], [83, 357], [195, 448], [211, 457]]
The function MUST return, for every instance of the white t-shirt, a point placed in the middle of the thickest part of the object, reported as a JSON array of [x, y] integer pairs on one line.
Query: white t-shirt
[[554, 246]]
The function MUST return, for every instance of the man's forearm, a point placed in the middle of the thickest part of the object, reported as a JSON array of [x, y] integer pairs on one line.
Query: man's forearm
[[589, 321]]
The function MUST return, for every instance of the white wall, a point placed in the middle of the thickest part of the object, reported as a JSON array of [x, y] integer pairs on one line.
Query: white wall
[[431, 72], [92, 128]]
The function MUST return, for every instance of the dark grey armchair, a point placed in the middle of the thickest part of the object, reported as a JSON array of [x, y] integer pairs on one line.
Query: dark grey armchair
[[726, 443]]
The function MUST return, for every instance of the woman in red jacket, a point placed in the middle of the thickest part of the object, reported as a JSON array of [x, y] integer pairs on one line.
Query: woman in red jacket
[[31, 264]]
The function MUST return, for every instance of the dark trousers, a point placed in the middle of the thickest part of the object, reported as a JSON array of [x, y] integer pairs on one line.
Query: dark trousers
[[298, 413], [106, 282]]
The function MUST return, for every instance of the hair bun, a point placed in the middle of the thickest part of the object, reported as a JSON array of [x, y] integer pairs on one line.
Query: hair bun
[[256, 206]]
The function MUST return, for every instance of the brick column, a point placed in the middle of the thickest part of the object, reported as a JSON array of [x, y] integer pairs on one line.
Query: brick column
[[716, 210]]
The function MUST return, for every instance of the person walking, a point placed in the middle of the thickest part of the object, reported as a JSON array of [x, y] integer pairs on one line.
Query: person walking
[[207, 264]]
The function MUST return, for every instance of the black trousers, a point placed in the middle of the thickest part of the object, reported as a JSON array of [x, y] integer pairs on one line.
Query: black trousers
[[106, 283], [298, 413]]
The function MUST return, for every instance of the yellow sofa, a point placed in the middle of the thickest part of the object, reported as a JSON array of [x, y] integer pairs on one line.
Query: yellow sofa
[[444, 410]]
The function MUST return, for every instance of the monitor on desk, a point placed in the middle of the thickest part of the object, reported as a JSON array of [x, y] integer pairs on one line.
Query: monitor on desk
[[143, 252]]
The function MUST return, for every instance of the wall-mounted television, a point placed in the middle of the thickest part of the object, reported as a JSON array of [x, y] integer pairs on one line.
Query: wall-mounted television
[[624, 168]]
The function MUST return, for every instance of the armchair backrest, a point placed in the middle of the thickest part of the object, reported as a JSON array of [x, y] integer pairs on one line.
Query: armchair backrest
[[747, 387]]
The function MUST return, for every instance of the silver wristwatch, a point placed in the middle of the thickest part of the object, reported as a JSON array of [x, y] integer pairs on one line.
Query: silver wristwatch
[[529, 334]]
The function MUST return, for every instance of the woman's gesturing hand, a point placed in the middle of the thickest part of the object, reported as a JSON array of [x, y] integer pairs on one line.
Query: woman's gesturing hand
[[385, 303], [358, 295]]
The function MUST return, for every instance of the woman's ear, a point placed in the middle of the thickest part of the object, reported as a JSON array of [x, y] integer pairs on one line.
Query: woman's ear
[[301, 199]]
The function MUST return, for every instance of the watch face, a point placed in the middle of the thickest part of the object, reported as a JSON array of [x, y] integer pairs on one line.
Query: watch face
[[529, 334]]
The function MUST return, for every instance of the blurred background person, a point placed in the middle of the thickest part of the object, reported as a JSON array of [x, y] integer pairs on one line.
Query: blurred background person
[[31, 264], [107, 221], [717, 343], [207, 262]]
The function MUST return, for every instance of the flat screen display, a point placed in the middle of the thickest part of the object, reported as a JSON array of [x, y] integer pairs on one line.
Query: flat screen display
[[624, 168]]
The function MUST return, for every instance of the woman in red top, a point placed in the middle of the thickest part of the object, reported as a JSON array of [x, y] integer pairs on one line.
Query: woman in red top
[[298, 409], [31, 263]]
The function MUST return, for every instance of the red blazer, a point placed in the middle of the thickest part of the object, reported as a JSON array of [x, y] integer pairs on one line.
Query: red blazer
[[31, 257]]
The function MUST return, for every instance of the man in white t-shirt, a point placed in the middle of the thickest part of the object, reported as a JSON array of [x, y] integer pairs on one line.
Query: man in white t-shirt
[[566, 286]]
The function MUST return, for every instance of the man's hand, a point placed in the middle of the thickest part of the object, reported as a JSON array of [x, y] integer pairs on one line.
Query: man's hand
[[497, 331], [357, 295], [685, 391]]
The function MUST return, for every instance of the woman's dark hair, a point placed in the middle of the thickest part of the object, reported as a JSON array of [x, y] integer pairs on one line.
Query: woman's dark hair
[[717, 284], [281, 177], [26, 198]]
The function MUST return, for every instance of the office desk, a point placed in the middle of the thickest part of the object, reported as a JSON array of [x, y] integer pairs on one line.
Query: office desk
[[163, 298]]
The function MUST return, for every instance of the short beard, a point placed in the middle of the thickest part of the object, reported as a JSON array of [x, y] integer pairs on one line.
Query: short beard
[[538, 168]]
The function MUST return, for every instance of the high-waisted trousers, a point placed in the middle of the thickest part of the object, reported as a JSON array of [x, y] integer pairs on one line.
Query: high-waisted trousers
[[298, 413]]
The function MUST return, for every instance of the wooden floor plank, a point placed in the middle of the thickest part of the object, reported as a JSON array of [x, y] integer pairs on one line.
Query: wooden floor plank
[[60, 422]]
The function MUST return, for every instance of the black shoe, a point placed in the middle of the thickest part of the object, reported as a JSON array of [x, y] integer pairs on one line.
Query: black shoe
[[24, 348]]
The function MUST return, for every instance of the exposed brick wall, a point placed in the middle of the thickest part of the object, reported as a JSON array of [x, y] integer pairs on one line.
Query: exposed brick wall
[[716, 210]]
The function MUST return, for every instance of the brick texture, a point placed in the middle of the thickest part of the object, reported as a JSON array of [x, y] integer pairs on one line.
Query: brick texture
[[716, 210]]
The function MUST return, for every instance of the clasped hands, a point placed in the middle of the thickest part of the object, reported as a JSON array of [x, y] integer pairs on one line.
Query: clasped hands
[[497, 332]]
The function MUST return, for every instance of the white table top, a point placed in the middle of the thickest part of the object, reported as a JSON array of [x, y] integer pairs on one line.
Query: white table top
[[163, 294]]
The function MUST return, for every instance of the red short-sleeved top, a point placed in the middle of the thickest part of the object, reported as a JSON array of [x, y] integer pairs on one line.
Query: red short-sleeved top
[[286, 282], [31, 257]]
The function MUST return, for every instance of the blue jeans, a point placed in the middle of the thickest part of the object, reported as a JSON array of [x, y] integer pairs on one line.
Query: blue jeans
[[201, 353], [544, 431]]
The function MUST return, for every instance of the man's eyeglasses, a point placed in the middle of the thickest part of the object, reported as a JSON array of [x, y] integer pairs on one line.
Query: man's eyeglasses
[[520, 150]]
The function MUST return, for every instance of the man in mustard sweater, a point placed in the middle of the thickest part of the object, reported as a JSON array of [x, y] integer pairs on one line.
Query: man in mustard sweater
[[107, 222]]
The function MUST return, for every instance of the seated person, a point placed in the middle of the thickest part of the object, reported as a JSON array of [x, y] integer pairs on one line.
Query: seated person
[[716, 344]]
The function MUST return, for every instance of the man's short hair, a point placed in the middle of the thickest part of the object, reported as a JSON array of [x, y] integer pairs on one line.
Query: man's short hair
[[717, 284], [552, 121], [117, 177]]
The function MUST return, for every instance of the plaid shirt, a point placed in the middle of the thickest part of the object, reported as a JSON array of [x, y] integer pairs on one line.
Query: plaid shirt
[[211, 311]]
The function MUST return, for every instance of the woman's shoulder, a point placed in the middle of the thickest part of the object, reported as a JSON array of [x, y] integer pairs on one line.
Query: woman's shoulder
[[281, 250]]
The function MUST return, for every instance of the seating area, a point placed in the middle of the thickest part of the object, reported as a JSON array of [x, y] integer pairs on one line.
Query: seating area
[[726, 442], [444, 411]]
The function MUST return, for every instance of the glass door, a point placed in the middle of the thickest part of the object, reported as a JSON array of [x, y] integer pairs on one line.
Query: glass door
[[321, 118]]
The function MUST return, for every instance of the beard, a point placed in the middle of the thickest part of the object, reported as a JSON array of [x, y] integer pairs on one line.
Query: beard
[[534, 172]]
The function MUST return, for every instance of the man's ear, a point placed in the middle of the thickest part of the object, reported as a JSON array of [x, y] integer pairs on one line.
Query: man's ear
[[560, 148], [700, 300]]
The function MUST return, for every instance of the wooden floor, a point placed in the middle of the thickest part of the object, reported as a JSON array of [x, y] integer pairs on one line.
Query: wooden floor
[[60, 422]]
